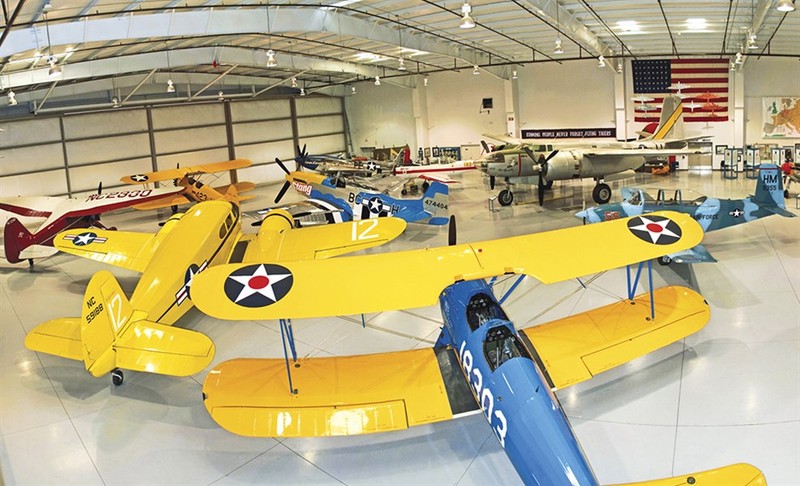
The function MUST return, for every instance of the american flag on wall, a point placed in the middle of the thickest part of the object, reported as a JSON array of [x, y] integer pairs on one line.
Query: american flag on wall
[[703, 86]]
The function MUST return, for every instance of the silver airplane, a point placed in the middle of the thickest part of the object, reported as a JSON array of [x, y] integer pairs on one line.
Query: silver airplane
[[520, 162]]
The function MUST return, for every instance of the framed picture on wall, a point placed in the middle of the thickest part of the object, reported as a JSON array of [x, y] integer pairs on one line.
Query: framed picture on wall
[[721, 149], [427, 152]]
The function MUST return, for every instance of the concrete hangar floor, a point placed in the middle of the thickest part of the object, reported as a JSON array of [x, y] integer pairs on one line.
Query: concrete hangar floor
[[730, 393]]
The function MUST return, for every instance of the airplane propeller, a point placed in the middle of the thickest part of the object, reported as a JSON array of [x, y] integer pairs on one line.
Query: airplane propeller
[[542, 185], [286, 184], [302, 157], [485, 146], [451, 231], [491, 182], [100, 188]]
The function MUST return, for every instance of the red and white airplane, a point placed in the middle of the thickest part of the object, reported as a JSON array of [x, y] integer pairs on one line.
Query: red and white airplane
[[44, 217]]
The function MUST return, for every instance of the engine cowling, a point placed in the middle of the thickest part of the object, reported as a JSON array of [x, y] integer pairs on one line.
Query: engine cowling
[[564, 165]]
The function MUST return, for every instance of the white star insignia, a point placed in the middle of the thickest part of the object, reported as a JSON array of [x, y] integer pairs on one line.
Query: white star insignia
[[84, 239], [654, 228], [253, 285]]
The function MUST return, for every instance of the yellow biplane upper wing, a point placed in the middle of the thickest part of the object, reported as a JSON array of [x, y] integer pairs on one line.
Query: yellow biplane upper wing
[[177, 173], [124, 249], [416, 278], [575, 348], [339, 395], [278, 240]]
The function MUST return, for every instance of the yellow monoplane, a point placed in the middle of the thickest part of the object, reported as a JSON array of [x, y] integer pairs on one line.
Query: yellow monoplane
[[115, 333], [194, 190]]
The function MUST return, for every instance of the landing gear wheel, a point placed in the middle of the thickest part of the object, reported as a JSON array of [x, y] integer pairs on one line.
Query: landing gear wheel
[[505, 197], [117, 377], [549, 185], [425, 186], [601, 193], [664, 260], [174, 209], [404, 192]]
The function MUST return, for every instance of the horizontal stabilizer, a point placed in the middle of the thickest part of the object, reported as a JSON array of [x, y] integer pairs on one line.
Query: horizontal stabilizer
[[123, 249], [733, 475], [240, 187], [166, 350], [163, 203], [338, 395], [59, 337], [779, 211], [698, 254], [580, 346]]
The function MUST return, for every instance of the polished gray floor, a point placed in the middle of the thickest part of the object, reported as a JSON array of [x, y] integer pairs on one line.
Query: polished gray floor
[[730, 393]]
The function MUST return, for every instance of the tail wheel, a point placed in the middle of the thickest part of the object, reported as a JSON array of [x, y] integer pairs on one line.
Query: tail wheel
[[425, 186], [664, 260], [505, 197], [117, 377], [601, 193], [786, 193]]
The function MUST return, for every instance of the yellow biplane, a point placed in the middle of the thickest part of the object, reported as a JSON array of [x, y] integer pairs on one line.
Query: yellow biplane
[[115, 333], [479, 363], [193, 189]]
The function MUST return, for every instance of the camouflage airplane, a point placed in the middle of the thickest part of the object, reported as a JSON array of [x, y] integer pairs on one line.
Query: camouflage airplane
[[711, 213]]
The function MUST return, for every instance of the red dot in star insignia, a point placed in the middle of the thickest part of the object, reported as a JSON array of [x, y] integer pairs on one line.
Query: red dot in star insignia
[[655, 228], [258, 282]]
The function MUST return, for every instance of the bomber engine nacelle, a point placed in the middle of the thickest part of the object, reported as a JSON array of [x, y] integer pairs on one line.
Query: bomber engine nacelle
[[567, 165]]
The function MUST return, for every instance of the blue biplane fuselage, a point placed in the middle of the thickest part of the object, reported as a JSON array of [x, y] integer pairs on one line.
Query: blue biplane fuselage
[[511, 388]]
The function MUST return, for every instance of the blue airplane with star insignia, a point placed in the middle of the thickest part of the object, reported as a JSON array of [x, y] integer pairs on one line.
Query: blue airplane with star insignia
[[340, 199], [711, 213]]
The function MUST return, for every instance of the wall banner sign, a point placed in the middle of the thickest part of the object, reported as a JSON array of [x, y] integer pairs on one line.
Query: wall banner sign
[[570, 133]]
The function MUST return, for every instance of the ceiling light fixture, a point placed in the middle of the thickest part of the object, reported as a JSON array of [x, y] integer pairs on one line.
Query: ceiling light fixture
[[696, 24], [377, 80], [475, 70], [619, 67], [514, 74], [294, 82], [220, 96], [738, 58], [751, 40], [353, 89], [302, 91], [467, 22], [55, 70], [170, 86], [558, 49], [733, 66], [425, 81], [601, 62], [402, 64], [271, 62], [115, 102], [785, 5], [12, 98]]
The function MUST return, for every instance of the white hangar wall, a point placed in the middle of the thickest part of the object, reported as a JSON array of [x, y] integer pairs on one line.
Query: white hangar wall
[[69, 154], [575, 94]]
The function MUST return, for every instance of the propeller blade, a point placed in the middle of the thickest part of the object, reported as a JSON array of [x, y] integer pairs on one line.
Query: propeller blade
[[541, 187], [99, 188], [485, 146], [280, 164], [552, 154], [491, 182], [282, 191], [451, 231]]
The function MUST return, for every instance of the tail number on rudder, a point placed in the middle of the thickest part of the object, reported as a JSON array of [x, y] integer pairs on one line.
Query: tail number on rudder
[[93, 312], [484, 394], [770, 182]]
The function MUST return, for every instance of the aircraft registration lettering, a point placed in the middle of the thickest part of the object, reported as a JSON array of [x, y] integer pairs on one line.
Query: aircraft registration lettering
[[484, 395], [120, 194], [93, 312], [365, 234], [436, 204]]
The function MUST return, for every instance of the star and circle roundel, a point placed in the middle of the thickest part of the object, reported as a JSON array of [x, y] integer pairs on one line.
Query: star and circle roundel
[[258, 285], [655, 229]]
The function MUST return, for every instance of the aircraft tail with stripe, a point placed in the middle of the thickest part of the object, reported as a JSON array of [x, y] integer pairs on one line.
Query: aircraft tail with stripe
[[111, 335], [769, 190], [671, 112]]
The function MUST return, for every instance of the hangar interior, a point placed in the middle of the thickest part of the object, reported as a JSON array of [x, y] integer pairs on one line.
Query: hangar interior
[[258, 81]]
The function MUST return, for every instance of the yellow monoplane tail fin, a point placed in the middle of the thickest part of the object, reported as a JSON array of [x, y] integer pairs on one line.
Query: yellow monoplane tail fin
[[59, 337], [338, 395], [580, 346], [733, 475], [124, 249], [166, 350], [416, 278], [113, 335], [278, 240]]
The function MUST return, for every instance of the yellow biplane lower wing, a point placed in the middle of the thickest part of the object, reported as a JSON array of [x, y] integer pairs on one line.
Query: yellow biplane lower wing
[[580, 346], [733, 475], [339, 395], [163, 203]]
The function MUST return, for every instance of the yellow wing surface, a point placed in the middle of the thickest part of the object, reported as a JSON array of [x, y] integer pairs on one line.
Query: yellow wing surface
[[576, 348], [416, 278], [124, 249], [170, 174], [279, 241], [390, 391], [180, 199], [732, 475], [60, 337]]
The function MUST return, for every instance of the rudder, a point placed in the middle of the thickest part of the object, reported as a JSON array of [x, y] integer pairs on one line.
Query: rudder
[[16, 238], [106, 311], [671, 111], [769, 188], [436, 201]]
